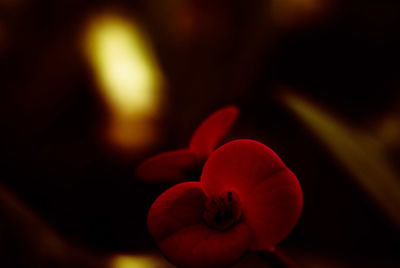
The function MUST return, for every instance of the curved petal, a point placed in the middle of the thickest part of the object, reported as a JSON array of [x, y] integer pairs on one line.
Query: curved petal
[[212, 130], [168, 166], [239, 165], [273, 208], [198, 246], [175, 222], [270, 193], [180, 206]]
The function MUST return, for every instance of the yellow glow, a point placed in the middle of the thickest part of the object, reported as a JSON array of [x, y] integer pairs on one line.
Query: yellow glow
[[140, 261], [357, 151], [128, 77], [389, 130], [290, 12]]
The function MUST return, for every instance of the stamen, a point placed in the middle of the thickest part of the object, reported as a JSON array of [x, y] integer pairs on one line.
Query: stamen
[[223, 211]]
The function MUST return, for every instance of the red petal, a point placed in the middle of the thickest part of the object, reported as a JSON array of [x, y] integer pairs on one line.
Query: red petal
[[212, 130], [175, 222], [198, 246], [273, 208], [238, 166], [180, 206], [168, 166], [270, 193]]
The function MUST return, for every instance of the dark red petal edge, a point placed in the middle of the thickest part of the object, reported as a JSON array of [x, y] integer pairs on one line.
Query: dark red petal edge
[[168, 166], [212, 130]]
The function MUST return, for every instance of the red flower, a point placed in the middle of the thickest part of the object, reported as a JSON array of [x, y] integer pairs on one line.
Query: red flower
[[175, 165], [246, 199]]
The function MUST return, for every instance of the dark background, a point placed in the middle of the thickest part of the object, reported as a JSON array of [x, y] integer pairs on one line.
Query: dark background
[[344, 55]]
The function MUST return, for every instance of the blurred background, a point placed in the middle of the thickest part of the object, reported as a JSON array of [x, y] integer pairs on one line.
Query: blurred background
[[89, 89]]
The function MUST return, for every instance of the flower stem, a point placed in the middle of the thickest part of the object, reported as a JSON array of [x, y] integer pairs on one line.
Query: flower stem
[[278, 257]]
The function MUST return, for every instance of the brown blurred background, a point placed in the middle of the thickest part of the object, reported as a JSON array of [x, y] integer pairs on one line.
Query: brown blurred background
[[316, 80]]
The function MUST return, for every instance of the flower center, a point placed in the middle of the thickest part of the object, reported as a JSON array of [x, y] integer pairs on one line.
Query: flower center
[[223, 211]]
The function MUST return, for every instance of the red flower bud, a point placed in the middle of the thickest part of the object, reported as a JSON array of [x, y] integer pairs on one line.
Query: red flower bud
[[175, 165]]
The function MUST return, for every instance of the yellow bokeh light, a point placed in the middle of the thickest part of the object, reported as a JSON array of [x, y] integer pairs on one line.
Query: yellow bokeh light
[[128, 76], [140, 261]]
